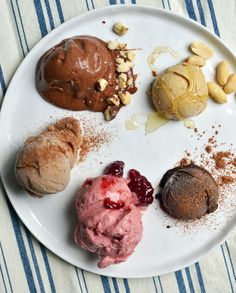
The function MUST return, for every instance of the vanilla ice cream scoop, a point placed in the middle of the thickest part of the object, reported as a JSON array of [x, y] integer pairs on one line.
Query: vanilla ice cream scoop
[[44, 163], [180, 92]]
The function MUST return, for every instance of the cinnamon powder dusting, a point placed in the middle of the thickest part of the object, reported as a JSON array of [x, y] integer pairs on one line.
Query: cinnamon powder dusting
[[92, 139], [91, 143]]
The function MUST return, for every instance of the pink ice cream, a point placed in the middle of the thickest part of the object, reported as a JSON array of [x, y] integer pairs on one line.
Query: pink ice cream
[[109, 219]]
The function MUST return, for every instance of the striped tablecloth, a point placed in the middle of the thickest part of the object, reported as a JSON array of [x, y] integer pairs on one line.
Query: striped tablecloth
[[25, 264]]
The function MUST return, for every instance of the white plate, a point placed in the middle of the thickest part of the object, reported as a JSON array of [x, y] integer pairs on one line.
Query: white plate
[[52, 219]]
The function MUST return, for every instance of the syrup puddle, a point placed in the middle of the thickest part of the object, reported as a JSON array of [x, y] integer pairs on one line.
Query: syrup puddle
[[151, 121], [152, 58]]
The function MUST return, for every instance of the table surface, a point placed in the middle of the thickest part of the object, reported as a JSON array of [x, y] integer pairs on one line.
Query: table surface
[[25, 264]]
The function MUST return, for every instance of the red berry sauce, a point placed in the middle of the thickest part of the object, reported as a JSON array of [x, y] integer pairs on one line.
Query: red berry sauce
[[137, 184], [114, 205], [88, 181], [116, 169], [141, 187]]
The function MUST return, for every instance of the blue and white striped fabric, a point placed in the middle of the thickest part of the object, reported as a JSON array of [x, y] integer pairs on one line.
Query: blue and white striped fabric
[[25, 264]]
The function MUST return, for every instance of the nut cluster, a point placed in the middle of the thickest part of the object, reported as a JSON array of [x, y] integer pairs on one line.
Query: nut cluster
[[201, 52], [124, 63], [101, 84], [226, 82]]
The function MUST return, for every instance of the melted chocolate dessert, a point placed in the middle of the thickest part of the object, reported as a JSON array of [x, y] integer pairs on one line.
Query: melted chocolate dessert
[[67, 74]]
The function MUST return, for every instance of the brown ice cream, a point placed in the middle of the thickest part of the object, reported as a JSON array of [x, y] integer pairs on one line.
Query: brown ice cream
[[67, 74], [43, 165], [180, 92], [188, 192]]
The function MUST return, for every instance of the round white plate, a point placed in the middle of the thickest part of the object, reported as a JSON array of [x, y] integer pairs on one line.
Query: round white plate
[[52, 219]]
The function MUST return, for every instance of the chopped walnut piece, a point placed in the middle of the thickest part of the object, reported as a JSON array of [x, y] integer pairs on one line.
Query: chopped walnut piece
[[110, 113], [125, 97], [101, 84], [131, 55], [120, 29], [125, 66], [130, 81], [120, 60], [113, 45], [122, 79], [124, 54], [122, 46], [114, 100]]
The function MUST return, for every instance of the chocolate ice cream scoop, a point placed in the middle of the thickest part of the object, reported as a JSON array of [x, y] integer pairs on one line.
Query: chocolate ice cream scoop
[[43, 165], [188, 192], [67, 74]]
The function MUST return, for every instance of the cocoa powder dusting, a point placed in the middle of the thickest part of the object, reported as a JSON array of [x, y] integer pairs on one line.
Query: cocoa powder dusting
[[220, 157], [92, 139], [221, 163], [208, 149], [227, 179], [185, 162]]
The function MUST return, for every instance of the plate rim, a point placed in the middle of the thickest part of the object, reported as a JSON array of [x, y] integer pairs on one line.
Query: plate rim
[[6, 100]]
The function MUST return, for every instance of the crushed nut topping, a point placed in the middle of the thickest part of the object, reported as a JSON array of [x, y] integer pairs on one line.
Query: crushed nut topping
[[110, 113], [101, 84], [125, 66], [125, 97], [120, 29], [131, 55], [113, 45], [114, 100]]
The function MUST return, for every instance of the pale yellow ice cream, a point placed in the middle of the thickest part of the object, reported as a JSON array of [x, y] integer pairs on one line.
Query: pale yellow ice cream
[[180, 92]]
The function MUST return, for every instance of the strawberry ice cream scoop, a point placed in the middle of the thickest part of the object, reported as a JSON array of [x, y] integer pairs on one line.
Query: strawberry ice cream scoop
[[109, 223], [109, 210]]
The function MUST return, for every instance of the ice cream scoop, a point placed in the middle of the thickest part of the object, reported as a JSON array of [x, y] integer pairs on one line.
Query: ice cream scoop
[[110, 233], [180, 92], [110, 216], [44, 163], [188, 192]]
